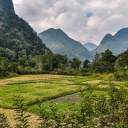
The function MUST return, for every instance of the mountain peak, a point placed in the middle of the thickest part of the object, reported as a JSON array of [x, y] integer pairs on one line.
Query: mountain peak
[[90, 43], [59, 42], [53, 29], [117, 43], [54, 32], [121, 33], [90, 46], [6, 6], [108, 37]]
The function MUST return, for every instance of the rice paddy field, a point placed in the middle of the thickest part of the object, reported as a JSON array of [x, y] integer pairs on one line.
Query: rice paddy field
[[61, 89]]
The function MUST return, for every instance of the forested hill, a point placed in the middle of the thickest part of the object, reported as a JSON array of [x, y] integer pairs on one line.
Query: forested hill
[[16, 35], [59, 42]]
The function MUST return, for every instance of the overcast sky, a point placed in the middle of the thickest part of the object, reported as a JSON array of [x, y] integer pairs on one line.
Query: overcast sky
[[83, 20]]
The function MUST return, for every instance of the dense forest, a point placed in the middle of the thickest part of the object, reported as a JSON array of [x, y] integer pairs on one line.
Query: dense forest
[[59, 64], [17, 37]]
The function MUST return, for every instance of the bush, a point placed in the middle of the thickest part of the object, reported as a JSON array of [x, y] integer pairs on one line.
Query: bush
[[96, 75], [13, 75], [108, 77], [121, 75]]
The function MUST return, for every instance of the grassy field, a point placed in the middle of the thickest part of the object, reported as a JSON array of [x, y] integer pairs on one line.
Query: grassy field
[[36, 88], [39, 87], [63, 90]]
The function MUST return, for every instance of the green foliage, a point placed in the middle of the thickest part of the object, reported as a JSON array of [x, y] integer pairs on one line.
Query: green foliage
[[75, 63], [123, 58], [20, 110], [105, 62], [121, 75], [86, 63], [23, 61], [101, 105], [96, 108], [3, 52], [94, 111], [3, 121]]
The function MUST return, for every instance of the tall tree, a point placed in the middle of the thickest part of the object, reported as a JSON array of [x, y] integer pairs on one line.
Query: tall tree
[[104, 63], [75, 63], [86, 63]]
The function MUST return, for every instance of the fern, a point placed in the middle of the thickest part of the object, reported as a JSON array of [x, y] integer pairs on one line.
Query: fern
[[20, 110]]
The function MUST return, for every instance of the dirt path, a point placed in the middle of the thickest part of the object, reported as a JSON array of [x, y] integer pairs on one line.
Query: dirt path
[[33, 120]]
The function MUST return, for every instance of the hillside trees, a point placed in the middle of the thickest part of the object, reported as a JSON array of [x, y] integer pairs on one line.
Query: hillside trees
[[11, 54], [3, 52], [123, 58], [23, 61], [59, 64], [51, 61], [86, 63]]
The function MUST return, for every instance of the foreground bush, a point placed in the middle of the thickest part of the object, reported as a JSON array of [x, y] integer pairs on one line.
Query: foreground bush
[[3, 121]]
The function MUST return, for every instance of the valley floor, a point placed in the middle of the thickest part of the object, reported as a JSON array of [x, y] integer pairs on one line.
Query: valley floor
[[58, 88]]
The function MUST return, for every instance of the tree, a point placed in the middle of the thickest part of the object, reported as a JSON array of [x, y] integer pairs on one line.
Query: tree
[[11, 54], [105, 62], [23, 61], [86, 63], [75, 63], [3, 52], [95, 63], [123, 58]]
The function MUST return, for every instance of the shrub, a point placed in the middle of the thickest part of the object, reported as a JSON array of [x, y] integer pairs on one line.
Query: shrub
[[121, 75], [109, 77], [96, 75]]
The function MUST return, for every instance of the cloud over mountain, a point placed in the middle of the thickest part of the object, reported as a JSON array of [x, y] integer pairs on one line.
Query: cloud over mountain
[[85, 21]]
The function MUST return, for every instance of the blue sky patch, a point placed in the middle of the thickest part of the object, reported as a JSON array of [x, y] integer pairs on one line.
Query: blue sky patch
[[89, 14]]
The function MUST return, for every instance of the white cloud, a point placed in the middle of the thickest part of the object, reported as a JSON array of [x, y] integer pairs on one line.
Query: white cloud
[[71, 16]]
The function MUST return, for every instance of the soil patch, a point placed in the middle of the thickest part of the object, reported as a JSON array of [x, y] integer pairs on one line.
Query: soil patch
[[3, 85], [73, 98]]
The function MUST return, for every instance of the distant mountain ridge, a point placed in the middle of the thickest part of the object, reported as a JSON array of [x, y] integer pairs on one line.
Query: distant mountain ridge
[[90, 46], [117, 43], [61, 43], [16, 35]]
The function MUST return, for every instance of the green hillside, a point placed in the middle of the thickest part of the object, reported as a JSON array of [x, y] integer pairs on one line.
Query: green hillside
[[61, 43], [16, 35]]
